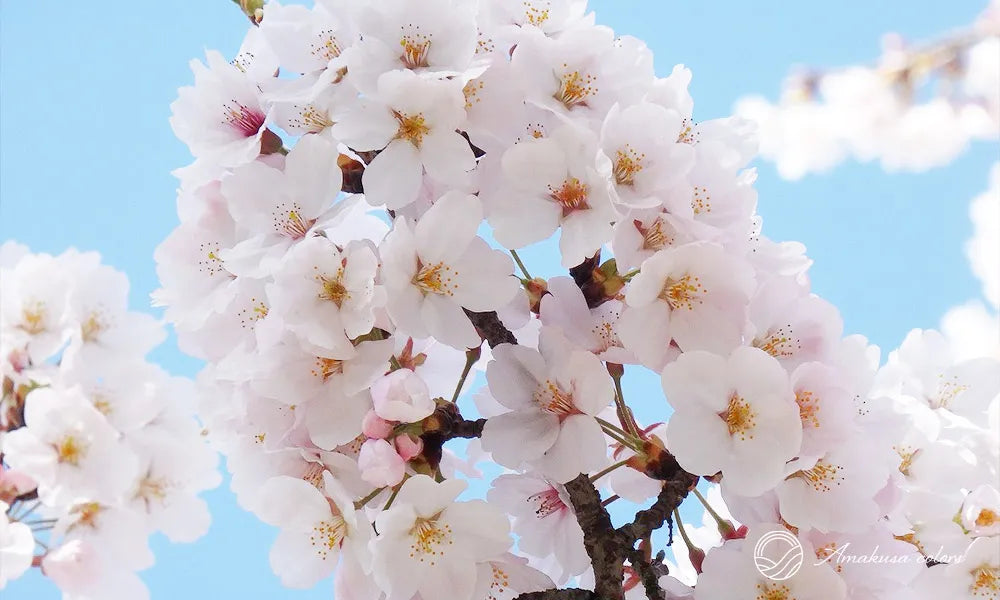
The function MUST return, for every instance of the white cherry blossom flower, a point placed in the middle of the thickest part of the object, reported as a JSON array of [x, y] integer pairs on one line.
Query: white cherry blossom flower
[[435, 269], [429, 543], [554, 395], [695, 294], [736, 415]]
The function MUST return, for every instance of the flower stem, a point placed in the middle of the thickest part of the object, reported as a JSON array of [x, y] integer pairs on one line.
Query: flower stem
[[708, 507], [624, 413], [604, 472], [520, 264], [471, 356], [619, 436], [395, 491], [361, 503]]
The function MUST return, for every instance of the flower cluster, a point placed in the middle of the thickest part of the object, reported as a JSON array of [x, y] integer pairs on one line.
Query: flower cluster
[[99, 448], [918, 108], [333, 268]]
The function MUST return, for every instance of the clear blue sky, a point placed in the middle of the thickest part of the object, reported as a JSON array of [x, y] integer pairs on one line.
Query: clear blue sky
[[86, 152]]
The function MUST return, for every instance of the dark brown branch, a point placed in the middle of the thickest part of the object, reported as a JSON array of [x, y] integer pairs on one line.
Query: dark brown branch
[[604, 545], [670, 497], [490, 328], [568, 594], [647, 574]]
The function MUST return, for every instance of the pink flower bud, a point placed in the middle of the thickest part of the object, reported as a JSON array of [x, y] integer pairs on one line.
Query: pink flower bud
[[73, 567], [402, 396], [375, 427], [380, 464], [408, 446]]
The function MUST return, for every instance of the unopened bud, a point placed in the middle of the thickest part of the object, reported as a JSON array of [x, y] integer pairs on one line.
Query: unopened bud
[[375, 427], [535, 288], [408, 446]]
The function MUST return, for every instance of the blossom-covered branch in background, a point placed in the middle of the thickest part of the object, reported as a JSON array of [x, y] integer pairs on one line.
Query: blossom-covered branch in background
[[99, 449], [918, 108]]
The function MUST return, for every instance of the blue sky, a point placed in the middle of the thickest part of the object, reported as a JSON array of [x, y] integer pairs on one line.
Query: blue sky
[[86, 154]]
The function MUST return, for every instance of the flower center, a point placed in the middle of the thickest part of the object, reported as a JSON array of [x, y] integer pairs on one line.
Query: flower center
[[628, 162], [653, 237], [290, 222], [412, 128], [415, 47], [907, 456], [572, 195], [245, 120], [70, 450], [987, 518], [249, 315], [314, 475], [739, 417], [328, 367], [437, 278], [822, 476], [328, 535], [701, 201], [808, 408], [328, 47], [682, 293], [688, 134], [429, 537], [312, 119], [102, 404], [986, 582], [780, 342], [92, 327], [552, 399], [211, 264], [948, 390], [546, 503], [535, 16], [152, 489], [773, 591], [86, 514], [332, 288], [575, 88], [33, 318]]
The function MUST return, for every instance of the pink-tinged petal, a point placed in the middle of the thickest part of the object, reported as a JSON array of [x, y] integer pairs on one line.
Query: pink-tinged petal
[[480, 527], [299, 562], [312, 166], [533, 165], [394, 176], [448, 323], [700, 442], [697, 381], [335, 419], [708, 328], [593, 388], [370, 127], [447, 228], [645, 331], [514, 375], [485, 278], [290, 503], [447, 156], [521, 220], [580, 448], [520, 436]]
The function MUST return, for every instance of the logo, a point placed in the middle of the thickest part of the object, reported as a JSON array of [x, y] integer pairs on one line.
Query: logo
[[778, 544]]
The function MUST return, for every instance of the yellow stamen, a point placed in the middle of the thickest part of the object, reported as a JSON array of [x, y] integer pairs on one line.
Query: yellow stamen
[[740, 418]]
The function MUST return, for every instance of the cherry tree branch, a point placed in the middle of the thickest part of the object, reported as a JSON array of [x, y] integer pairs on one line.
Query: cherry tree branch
[[604, 545], [567, 594], [490, 327]]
